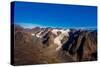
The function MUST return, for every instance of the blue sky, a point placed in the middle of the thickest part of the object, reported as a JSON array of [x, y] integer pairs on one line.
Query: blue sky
[[29, 14]]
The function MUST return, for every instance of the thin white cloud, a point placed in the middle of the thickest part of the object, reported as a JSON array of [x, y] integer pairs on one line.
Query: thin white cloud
[[29, 25]]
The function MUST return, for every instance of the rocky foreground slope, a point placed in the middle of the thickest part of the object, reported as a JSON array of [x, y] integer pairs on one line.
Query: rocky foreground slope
[[52, 45]]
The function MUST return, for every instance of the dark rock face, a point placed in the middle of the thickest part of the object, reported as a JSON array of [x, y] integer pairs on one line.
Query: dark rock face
[[81, 45]]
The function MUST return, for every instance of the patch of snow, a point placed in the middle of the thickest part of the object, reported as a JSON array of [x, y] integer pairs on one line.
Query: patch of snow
[[33, 34], [54, 31], [58, 39], [38, 34]]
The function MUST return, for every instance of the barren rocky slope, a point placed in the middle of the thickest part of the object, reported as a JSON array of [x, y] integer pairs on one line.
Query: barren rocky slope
[[48, 45]]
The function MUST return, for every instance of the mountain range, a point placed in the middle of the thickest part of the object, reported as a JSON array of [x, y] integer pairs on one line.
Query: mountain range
[[53, 45]]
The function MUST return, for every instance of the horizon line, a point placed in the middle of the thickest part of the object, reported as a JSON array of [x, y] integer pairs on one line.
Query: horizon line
[[25, 25]]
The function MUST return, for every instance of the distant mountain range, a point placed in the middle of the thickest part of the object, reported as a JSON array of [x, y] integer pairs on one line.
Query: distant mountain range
[[54, 45]]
